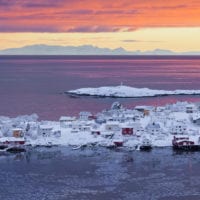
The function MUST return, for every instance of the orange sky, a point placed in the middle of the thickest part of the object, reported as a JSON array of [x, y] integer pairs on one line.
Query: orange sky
[[91, 17]]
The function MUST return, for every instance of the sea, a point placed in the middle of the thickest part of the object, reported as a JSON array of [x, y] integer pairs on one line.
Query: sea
[[37, 84]]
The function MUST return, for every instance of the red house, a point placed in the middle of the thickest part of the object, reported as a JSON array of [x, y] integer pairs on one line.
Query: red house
[[127, 131]]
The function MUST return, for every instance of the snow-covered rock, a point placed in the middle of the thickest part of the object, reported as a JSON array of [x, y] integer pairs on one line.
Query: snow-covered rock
[[127, 91]]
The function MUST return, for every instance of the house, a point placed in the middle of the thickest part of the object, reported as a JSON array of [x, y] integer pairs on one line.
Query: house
[[153, 128], [196, 118], [127, 130], [45, 130], [84, 115], [100, 118], [17, 132], [85, 128], [177, 107], [178, 128], [144, 109], [111, 126], [57, 133], [66, 122], [190, 108]]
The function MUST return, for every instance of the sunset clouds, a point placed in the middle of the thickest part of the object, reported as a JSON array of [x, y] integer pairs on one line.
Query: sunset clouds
[[131, 24], [96, 15]]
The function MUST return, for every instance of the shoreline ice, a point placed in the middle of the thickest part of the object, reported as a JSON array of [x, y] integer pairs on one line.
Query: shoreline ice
[[123, 91]]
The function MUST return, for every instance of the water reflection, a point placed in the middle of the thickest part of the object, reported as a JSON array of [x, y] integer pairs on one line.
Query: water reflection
[[63, 173]]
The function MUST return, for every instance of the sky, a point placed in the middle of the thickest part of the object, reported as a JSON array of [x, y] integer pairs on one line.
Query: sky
[[131, 24]]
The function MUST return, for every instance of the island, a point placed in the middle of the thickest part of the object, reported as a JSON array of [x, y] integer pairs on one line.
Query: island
[[123, 91]]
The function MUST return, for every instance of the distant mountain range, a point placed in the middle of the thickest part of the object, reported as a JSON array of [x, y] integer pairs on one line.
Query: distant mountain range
[[42, 49]]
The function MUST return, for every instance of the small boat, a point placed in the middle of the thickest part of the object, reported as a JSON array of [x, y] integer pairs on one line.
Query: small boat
[[48, 145], [146, 145], [3, 147], [12, 144], [118, 143], [76, 147], [15, 149]]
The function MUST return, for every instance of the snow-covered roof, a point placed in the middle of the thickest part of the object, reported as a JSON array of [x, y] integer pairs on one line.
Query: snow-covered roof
[[67, 118], [46, 127], [153, 125], [85, 113], [17, 129], [144, 107]]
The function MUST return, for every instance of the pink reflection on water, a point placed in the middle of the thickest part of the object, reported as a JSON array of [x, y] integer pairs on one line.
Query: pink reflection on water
[[33, 85]]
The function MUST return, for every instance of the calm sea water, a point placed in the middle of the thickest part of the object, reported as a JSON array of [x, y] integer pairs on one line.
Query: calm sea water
[[63, 174], [35, 84]]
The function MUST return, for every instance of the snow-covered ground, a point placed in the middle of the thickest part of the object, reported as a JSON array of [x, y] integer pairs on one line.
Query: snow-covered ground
[[116, 125], [127, 91]]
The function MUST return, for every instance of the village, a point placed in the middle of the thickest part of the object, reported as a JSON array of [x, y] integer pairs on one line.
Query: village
[[140, 128]]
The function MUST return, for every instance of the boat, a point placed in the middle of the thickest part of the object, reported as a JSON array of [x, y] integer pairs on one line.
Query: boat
[[15, 149], [184, 143], [3, 147], [12, 144], [48, 145], [118, 142], [76, 147], [146, 145]]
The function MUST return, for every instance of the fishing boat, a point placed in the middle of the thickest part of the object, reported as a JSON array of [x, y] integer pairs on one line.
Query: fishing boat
[[12, 144], [184, 143], [146, 145]]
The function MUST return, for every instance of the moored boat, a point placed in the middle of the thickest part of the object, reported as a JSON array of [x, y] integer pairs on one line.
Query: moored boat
[[15, 149], [146, 145], [12, 144], [184, 143]]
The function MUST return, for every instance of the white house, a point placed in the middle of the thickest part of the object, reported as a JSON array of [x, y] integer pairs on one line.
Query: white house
[[57, 133], [45, 130], [111, 126], [154, 128], [84, 115], [66, 121], [178, 128], [191, 108]]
